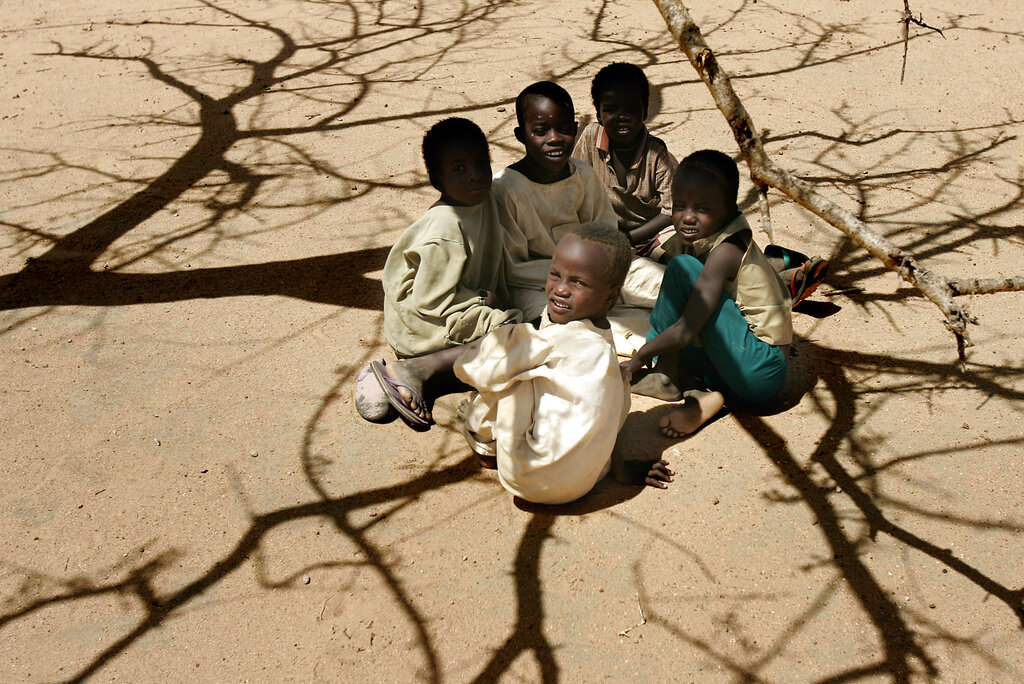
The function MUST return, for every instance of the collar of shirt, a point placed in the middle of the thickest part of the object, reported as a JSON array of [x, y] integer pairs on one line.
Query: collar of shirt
[[604, 144]]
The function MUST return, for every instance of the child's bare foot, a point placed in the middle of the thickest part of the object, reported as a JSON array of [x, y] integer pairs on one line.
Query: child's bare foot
[[697, 408], [651, 383], [405, 382]]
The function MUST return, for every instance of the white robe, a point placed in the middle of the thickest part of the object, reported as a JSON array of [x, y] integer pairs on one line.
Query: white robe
[[549, 406]]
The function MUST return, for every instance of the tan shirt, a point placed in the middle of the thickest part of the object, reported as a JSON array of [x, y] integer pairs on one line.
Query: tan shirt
[[757, 289], [647, 191], [534, 217], [551, 401], [433, 277]]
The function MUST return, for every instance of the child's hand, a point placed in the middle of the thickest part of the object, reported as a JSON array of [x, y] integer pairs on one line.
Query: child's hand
[[627, 374], [491, 299], [631, 366], [659, 475]]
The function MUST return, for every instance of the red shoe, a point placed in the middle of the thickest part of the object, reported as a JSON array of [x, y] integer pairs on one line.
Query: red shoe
[[807, 278]]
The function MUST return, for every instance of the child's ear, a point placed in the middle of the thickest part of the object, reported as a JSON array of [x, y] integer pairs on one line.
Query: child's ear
[[518, 132], [613, 296]]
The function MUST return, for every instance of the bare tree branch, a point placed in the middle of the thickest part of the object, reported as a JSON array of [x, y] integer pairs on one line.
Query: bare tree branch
[[969, 286], [907, 19], [764, 172]]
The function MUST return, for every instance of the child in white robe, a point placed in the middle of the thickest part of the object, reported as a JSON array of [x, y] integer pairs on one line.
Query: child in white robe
[[550, 401]]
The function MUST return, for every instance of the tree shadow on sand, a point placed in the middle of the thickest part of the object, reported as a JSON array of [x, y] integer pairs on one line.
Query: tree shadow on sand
[[65, 274]]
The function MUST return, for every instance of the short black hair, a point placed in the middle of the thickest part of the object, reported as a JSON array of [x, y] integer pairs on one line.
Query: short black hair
[[620, 74], [548, 89], [717, 164], [614, 242], [441, 134]]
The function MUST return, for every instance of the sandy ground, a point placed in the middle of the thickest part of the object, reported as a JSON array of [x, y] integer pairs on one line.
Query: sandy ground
[[197, 200]]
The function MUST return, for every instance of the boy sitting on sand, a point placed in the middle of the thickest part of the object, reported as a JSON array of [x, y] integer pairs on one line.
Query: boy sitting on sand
[[635, 167], [444, 281], [723, 316], [550, 401], [636, 170], [546, 194]]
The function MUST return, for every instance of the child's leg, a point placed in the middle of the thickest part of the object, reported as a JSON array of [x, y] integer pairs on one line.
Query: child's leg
[[413, 372], [730, 357], [643, 283], [677, 283], [698, 407]]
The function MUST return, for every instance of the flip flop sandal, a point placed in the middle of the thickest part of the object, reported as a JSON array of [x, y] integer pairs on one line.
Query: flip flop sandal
[[390, 387], [371, 401], [806, 280]]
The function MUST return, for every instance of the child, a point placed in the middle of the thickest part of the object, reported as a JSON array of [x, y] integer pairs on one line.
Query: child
[[550, 402], [723, 314], [635, 167], [546, 194], [443, 280]]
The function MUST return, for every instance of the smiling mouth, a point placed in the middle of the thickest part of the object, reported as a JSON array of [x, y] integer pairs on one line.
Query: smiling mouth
[[556, 154], [558, 307]]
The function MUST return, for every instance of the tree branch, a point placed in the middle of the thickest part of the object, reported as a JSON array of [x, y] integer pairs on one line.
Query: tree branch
[[907, 19], [764, 172], [971, 286]]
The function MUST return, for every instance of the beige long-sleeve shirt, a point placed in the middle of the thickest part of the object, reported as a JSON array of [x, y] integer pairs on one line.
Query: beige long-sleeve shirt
[[434, 276], [535, 216]]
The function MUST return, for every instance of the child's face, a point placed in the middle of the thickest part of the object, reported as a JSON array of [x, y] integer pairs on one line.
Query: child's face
[[699, 207], [464, 174], [621, 111], [577, 285], [548, 133]]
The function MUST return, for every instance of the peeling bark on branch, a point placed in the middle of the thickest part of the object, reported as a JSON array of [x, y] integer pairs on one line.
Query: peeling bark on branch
[[973, 286], [764, 172]]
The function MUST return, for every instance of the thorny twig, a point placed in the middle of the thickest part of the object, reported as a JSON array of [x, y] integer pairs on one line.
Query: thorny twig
[[907, 19], [643, 619]]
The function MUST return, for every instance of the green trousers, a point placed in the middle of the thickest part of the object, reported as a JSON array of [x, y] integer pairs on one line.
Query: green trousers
[[730, 358]]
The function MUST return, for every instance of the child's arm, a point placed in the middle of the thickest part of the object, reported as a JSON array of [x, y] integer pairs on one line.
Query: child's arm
[[436, 296], [646, 231], [722, 264]]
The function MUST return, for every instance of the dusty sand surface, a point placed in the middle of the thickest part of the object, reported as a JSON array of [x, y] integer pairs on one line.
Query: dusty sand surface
[[197, 200]]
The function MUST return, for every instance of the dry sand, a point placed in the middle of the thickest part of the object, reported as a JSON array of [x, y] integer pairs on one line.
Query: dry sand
[[197, 200]]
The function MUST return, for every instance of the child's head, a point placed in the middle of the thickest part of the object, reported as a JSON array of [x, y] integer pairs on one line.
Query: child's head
[[587, 272], [704, 193], [458, 161], [621, 94], [547, 127]]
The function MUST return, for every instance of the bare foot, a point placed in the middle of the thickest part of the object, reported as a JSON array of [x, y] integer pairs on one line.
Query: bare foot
[[697, 408], [409, 372], [655, 384]]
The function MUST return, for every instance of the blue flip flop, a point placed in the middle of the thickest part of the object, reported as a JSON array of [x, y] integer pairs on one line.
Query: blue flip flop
[[390, 387]]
